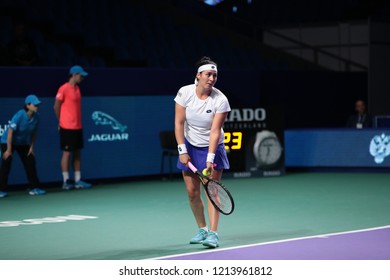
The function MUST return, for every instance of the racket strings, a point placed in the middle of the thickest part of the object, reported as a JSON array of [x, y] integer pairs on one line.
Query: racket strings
[[220, 197]]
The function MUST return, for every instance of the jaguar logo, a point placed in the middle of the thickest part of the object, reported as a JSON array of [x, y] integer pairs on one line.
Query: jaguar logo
[[101, 118], [380, 147], [105, 119]]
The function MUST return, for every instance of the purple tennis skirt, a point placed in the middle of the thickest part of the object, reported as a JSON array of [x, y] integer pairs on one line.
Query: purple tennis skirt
[[198, 157]]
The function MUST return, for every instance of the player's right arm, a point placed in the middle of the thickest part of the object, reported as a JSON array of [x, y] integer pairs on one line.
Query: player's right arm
[[180, 117]]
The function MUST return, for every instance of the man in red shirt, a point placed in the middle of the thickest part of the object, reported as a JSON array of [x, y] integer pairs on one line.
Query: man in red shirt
[[67, 108]]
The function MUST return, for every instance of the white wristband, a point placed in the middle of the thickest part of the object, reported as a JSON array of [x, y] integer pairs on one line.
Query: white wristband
[[182, 149], [210, 157]]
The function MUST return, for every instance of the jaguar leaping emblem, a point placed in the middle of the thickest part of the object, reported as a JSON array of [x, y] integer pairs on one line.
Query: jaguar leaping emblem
[[101, 118]]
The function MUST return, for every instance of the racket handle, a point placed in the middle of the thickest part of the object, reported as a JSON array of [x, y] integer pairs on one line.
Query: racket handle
[[192, 167]]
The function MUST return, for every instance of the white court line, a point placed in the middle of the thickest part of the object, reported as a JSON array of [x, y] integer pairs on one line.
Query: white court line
[[273, 242]]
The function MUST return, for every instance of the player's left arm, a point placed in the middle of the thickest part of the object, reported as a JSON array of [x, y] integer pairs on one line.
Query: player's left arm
[[215, 133], [180, 118]]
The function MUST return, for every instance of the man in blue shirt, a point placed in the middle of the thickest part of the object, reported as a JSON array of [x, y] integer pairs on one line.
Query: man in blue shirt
[[20, 137]]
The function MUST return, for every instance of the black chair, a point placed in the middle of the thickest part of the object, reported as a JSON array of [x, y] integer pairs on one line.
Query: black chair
[[169, 149]]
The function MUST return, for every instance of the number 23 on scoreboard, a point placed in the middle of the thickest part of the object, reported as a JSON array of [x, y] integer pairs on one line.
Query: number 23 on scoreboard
[[233, 140]]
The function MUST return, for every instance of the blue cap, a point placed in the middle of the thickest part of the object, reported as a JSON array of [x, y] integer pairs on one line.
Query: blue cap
[[77, 69], [32, 99]]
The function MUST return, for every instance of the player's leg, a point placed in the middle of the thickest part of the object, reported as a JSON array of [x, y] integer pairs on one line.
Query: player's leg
[[194, 196], [212, 239], [214, 213], [196, 203], [222, 163]]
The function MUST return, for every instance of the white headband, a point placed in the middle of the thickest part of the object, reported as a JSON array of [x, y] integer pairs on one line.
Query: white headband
[[207, 67]]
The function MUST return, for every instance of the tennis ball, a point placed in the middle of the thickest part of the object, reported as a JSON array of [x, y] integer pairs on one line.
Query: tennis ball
[[206, 172]]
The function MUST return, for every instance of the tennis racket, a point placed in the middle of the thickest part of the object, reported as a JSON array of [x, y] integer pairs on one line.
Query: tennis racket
[[218, 194]]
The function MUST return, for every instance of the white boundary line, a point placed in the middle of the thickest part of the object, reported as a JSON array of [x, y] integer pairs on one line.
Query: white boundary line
[[273, 242]]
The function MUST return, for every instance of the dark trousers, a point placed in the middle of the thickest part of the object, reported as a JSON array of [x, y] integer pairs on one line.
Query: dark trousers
[[28, 163]]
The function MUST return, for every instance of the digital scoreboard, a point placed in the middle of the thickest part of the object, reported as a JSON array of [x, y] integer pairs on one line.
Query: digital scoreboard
[[254, 143]]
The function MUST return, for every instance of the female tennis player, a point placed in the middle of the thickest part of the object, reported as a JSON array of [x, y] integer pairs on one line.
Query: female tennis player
[[200, 112]]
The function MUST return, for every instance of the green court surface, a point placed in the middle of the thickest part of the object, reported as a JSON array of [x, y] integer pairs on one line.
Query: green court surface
[[151, 219]]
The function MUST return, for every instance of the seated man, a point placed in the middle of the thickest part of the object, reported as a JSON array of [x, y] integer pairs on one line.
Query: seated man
[[361, 119]]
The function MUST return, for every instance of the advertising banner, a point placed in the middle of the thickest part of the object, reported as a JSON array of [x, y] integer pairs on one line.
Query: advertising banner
[[338, 148], [121, 136]]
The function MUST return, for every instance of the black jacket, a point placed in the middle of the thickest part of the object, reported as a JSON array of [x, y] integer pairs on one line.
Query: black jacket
[[365, 120]]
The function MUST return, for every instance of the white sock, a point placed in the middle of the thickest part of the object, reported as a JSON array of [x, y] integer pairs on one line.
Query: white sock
[[65, 175], [205, 228], [77, 176]]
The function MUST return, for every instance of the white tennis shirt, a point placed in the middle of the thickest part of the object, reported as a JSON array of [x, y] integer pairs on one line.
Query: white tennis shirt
[[200, 114]]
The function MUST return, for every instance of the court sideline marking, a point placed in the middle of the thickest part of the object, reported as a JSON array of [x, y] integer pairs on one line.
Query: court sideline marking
[[272, 242]]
